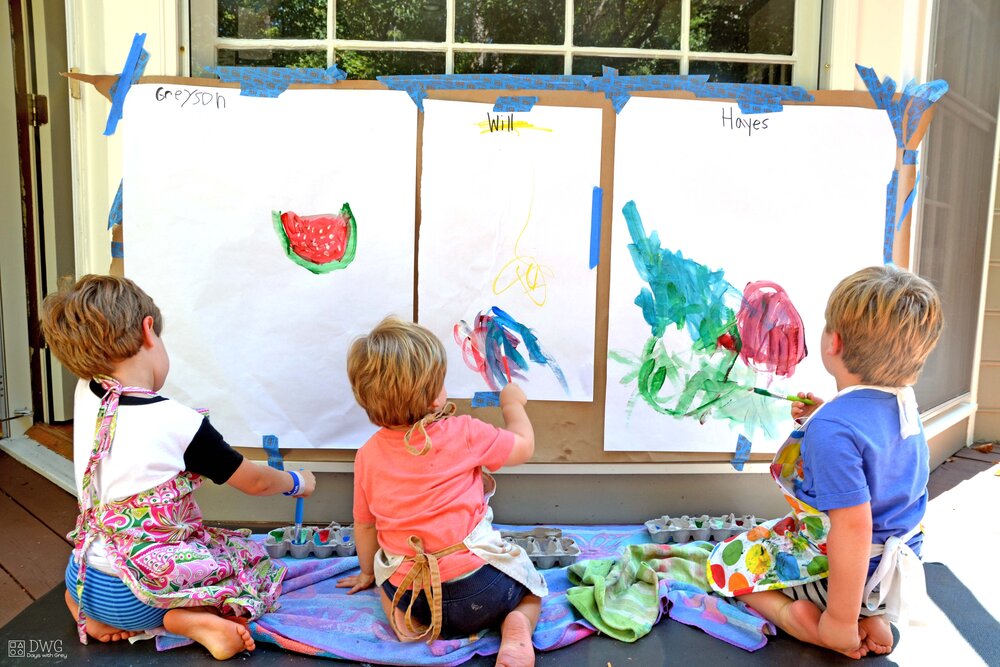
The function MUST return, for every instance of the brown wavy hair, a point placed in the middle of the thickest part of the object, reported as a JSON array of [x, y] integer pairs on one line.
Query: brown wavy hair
[[97, 322]]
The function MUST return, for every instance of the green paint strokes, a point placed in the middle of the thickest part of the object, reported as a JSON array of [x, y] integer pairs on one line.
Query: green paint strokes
[[704, 380], [681, 292], [731, 554]]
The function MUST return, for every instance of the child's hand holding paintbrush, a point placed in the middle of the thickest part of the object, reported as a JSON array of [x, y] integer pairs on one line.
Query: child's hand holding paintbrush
[[805, 407]]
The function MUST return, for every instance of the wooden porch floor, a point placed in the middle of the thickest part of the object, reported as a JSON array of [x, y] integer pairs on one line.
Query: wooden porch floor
[[38, 514]]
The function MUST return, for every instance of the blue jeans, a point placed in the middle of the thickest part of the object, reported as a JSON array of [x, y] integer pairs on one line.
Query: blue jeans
[[109, 600], [470, 604]]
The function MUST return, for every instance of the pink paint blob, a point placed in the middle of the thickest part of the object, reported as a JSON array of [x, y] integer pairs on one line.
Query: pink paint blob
[[771, 331]]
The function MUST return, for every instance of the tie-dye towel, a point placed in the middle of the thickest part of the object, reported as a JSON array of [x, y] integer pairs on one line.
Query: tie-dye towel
[[317, 618], [624, 597]]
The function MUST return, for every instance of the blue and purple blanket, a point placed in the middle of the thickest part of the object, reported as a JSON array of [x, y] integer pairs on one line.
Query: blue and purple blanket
[[318, 619]]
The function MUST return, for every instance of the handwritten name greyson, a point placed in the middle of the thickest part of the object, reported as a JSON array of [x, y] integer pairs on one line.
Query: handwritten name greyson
[[188, 97], [751, 125]]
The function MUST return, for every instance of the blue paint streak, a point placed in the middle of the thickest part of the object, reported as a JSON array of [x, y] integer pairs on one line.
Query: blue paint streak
[[502, 334], [681, 291], [130, 73], [752, 98], [596, 203], [273, 81], [486, 399], [515, 103]]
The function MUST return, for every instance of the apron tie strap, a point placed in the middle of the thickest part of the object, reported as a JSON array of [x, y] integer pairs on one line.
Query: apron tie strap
[[899, 578], [425, 575]]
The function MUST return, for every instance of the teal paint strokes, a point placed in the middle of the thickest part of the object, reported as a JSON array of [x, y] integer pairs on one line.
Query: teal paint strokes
[[681, 292]]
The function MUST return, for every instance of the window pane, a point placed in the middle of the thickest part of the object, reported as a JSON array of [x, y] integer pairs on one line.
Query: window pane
[[370, 64], [638, 24], [957, 162], [391, 20], [272, 58], [272, 19], [625, 66], [722, 72], [742, 26], [510, 21], [507, 63]]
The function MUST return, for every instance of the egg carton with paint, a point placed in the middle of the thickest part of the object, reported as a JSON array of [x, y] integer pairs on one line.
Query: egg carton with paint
[[549, 551], [678, 530], [311, 541]]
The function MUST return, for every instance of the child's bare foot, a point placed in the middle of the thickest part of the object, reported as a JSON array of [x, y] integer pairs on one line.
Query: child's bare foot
[[222, 637], [878, 634], [515, 641], [800, 619], [102, 632]]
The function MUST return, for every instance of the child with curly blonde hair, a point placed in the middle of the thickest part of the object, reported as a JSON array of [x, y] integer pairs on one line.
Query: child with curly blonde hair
[[422, 520]]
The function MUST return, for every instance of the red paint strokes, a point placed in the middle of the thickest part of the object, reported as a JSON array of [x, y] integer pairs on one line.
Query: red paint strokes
[[719, 575], [771, 331], [318, 238]]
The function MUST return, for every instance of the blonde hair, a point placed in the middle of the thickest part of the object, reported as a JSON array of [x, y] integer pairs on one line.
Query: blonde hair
[[92, 325], [396, 372], [889, 321]]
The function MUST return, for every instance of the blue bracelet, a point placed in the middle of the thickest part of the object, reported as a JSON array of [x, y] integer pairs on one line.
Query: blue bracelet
[[296, 483]]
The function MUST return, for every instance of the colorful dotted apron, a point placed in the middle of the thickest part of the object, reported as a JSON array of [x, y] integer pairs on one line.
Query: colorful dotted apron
[[791, 551], [781, 553]]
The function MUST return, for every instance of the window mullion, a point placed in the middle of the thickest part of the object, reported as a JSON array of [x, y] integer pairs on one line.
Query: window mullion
[[449, 38], [331, 31], [685, 44], [568, 40]]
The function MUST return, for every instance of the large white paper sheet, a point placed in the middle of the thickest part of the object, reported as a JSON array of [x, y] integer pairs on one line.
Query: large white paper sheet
[[257, 339], [798, 199], [506, 222]]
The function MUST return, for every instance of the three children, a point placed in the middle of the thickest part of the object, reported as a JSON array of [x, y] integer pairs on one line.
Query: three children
[[421, 499]]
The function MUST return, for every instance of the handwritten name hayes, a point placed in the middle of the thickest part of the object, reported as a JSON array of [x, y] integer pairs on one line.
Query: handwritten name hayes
[[751, 125]]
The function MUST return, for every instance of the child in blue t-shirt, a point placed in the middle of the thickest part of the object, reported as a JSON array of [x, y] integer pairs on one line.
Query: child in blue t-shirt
[[864, 459]]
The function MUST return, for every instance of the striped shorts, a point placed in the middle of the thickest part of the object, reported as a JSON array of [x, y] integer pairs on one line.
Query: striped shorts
[[815, 592], [109, 600]]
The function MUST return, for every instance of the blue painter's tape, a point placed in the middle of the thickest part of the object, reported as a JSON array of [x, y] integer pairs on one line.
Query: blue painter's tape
[[273, 455], [890, 217], [117, 249], [913, 102], [907, 205], [273, 81], [115, 214], [742, 454], [515, 103], [596, 202], [123, 84], [752, 98], [486, 399]]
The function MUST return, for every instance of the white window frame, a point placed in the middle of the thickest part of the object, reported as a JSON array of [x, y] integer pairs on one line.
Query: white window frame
[[204, 42]]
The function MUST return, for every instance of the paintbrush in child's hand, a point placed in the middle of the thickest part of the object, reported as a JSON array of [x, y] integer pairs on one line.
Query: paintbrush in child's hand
[[787, 397]]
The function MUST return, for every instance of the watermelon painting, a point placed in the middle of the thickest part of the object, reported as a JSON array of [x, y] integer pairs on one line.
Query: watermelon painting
[[320, 243]]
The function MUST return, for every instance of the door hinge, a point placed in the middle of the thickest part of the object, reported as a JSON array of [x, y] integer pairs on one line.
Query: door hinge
[[39, 110]]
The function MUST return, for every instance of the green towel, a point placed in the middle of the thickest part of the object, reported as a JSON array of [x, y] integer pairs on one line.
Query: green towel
[[621, 598]]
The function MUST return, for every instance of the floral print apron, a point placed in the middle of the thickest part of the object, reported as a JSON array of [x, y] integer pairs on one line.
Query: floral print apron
[[158, 543]]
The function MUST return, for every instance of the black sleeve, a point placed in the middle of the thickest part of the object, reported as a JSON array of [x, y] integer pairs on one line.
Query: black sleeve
[[211, 456]]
